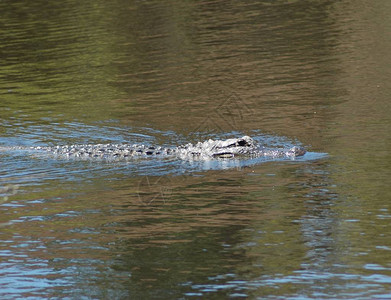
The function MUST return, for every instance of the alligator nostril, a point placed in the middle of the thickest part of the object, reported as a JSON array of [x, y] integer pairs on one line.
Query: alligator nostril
[[299, 151]]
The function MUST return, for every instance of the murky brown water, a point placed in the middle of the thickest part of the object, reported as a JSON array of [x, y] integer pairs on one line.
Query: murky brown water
[[314, 73]]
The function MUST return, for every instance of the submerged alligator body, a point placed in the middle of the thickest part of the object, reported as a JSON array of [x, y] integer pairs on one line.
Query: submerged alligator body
[[223, 149]]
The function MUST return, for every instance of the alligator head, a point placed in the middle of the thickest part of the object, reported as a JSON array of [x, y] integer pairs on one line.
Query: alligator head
[[231, 147]]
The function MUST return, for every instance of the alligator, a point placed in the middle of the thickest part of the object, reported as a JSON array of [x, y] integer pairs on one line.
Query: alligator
[[219, 149]]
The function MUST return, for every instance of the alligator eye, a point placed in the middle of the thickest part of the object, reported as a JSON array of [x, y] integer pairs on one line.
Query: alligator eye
[[242, 143]]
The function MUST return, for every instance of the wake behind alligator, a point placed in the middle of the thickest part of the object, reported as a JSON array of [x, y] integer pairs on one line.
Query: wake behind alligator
[[207, 150]]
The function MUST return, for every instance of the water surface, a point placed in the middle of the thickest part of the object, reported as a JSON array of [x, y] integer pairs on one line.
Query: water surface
[[310, 73]]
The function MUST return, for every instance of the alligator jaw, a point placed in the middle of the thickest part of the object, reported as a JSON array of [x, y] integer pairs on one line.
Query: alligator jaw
[[223, 155]]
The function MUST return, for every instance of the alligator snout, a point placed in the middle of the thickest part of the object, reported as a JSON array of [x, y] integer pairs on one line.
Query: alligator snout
[[297, 151]]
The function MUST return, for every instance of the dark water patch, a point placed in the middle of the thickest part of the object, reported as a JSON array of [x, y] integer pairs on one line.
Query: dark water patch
[[311, 73]]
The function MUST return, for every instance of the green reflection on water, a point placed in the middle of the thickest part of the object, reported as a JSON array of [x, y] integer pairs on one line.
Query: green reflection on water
[[315, 70]]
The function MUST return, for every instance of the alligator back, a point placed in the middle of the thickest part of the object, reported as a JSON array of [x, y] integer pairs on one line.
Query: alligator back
[[210, 149]]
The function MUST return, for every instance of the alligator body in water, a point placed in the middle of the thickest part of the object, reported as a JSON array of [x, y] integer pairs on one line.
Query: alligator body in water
[[210, 149]]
